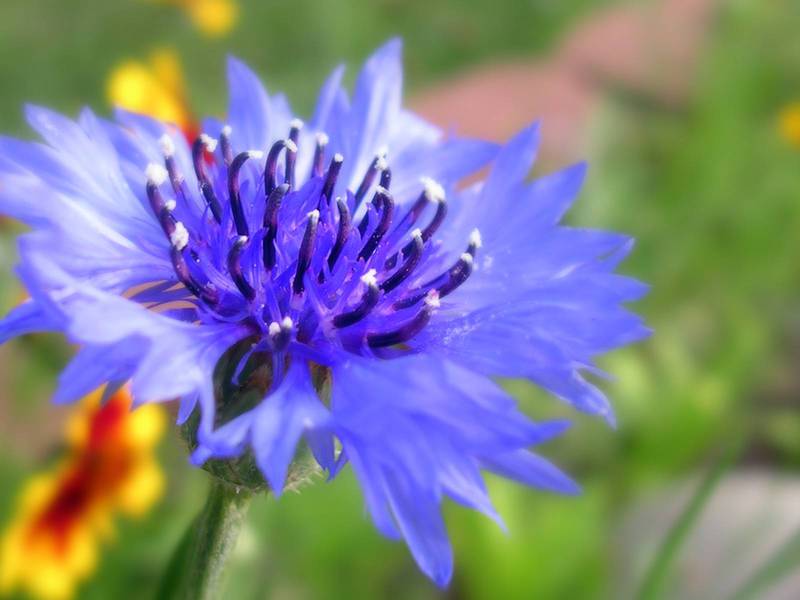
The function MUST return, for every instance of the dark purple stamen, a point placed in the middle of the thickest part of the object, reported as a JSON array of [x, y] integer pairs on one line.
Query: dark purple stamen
[[155, 198], [281, 334], [330, 178], [413, 213], [386, 178], [368, 301], [198, 160], [450, 280], [225, 145], [306, 252], [384, 200], [235, 268], [206, 293], [341, 233], [377, 165], [272, 163], [167, 220], [407, 267], [233, 192], [404, 333], [318, 164], [457, 275], [271, 224]]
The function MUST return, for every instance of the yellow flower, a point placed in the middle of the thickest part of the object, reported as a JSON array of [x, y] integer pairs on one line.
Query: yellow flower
[[789, 124], [155, 88], [214, 18], [62, 516]]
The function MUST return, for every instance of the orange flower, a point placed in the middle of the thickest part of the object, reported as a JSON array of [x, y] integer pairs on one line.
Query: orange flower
[[214, 18], [789, 124], [52, 543], [155, 88]]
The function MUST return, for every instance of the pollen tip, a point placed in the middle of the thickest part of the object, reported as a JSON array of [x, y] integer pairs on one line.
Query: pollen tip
[[209, 142], [475, 238], [255, 154], [226, 131], [167, 145], [287, 323], [179, 238], [369, 278], [241, 239], [417, 233], [322, 139], [433, 190], [382, 191], [338, 158], [155, 173], [383, 152], [170, 205], [313, 215], [274, 329], [290, 146], [432, 299], [296, 123], [467, 258]]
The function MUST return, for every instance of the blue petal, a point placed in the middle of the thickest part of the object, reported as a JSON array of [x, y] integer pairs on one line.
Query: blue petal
[[420, 520], [28, 317], [528, 468], [249, 109], [280, 420]]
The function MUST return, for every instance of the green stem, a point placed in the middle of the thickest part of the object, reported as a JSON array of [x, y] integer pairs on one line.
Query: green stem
[[215, 533]]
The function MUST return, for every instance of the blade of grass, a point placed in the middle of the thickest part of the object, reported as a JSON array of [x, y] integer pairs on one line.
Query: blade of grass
[[652, 586], [782, 562]]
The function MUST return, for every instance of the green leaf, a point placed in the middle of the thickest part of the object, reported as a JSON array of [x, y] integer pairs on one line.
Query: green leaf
[[776, 567], [655, 579]]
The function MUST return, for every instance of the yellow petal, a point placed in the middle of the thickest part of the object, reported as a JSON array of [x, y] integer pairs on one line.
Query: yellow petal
[[789, 124], [214, 18]]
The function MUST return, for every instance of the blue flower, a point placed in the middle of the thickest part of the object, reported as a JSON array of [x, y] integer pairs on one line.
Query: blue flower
[[342, 251]]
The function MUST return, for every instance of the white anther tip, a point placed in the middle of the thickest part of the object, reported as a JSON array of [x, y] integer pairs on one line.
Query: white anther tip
[[382, 152], [287, 323], [381, 164], [467, 258], [475, 238], [382, 191], [179, 238], [255, 154], [274, 329], [323, 139], [313, 215], [170, 205], [338, 158], [433, 190], [296, 123], [369, 278], [432, 299], [155, 173], [226, 131], [417, 233], [209, 142], [290, 146], [167, 145]]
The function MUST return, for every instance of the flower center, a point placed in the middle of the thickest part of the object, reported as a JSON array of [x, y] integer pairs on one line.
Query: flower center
[[297, 263]]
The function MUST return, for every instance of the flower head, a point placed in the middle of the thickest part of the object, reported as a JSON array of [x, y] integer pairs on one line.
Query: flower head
[[51, 545], [326, 281]]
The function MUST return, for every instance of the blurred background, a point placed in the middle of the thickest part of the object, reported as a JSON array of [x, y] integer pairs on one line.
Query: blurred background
[[689, 114]]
